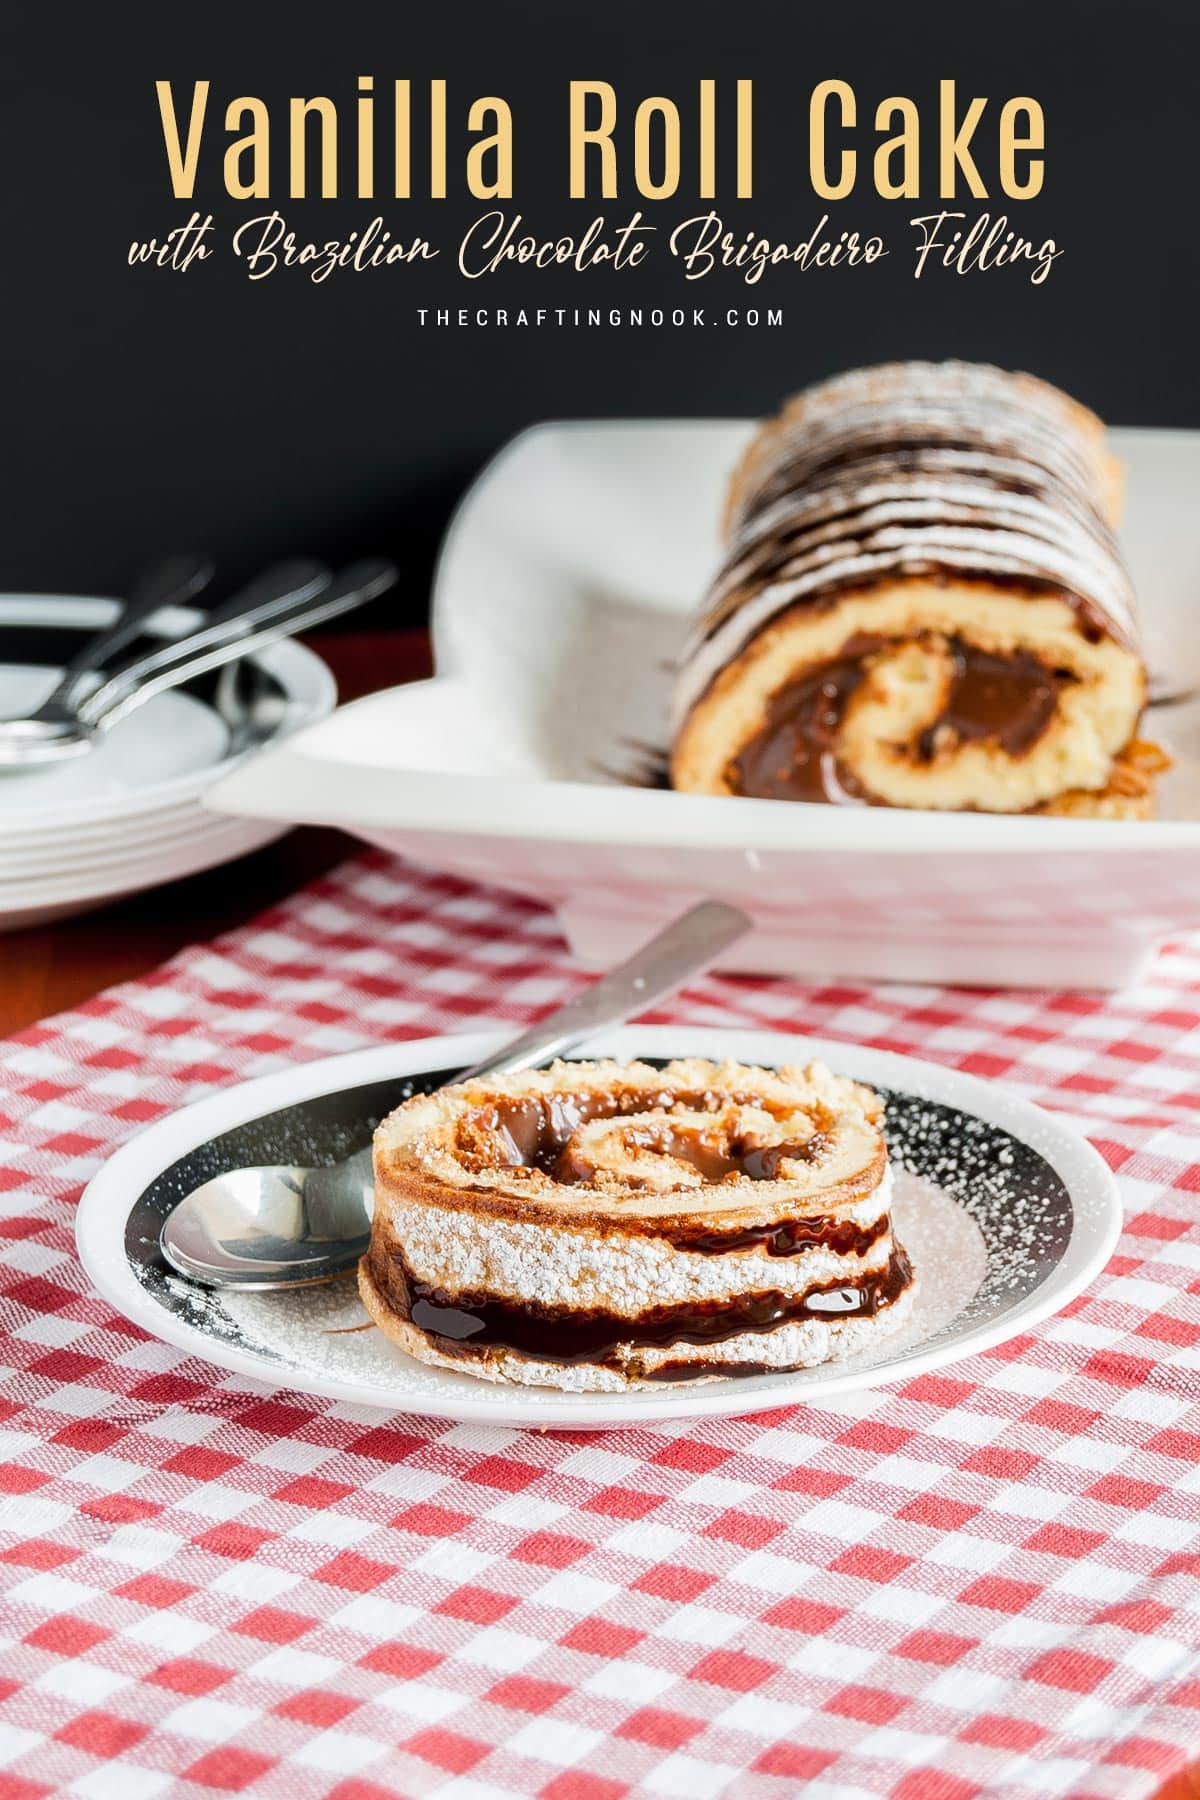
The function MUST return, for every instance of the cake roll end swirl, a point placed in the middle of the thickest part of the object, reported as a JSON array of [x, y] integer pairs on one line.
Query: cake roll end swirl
[[922, 604]]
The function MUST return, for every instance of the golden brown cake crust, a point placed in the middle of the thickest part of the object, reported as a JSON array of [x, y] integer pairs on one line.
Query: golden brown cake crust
[[921, 605], [441, 1149]]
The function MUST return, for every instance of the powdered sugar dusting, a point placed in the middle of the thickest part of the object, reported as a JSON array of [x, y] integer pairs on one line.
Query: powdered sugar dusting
[[984, 1214], [312, 1330]]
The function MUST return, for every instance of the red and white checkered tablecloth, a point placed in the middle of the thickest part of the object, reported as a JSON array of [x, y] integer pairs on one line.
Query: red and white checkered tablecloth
[[981, 1583]]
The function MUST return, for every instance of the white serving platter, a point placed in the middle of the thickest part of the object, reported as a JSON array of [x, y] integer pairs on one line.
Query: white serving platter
[[562, 595], [1029, 1217]]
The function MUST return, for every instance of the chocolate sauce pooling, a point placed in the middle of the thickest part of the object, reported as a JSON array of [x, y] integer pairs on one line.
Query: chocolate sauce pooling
[[468, 1322], [1008, 700]]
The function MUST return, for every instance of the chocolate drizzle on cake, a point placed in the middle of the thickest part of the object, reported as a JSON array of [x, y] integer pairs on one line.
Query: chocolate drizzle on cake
[[953, 471], [921, 467]]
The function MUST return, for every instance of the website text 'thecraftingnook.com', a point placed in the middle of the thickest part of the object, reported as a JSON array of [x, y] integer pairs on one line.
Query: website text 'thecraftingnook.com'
[[574, 318]]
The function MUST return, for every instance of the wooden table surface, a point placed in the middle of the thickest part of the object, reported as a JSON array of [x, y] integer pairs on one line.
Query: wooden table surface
[[53, 967]]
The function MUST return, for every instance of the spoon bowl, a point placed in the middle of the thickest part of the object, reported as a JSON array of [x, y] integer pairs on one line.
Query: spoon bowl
[[281, 1226], [288, 1226], [57, 729], [24, 742]]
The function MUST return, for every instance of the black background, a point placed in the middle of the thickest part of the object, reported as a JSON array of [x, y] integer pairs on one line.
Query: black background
[[147, 411]]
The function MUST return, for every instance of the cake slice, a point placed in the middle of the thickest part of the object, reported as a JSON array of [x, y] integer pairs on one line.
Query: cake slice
[[600, 1226]]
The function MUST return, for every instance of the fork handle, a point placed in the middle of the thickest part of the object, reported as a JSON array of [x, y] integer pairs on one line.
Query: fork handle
[[281, 608], [171, 582]]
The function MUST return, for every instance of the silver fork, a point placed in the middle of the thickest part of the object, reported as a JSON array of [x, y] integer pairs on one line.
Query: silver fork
[[168, 583], [289, 598]]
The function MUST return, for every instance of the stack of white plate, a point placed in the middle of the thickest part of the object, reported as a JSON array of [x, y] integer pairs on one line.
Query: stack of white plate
[[129, 814]]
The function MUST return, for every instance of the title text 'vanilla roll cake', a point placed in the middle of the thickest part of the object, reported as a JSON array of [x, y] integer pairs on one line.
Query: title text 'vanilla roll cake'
[[601, 1226], [922, 604]]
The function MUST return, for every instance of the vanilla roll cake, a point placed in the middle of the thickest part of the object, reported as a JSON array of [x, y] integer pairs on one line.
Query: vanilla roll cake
[[600, 1226], [922, 604]]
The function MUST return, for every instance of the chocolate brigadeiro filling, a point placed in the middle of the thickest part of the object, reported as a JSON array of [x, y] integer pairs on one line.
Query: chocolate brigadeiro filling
[[464, 1323], [1009, 700], [793, 756], [533, 1131]]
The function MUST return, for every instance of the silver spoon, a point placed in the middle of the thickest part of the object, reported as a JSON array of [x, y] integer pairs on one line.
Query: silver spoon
[[284, 1227], [169, 583]]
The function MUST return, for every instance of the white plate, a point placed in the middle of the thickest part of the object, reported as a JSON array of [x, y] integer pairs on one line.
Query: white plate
[[562, 595], [173, 735], [161, 755], [111, 876], [82, 852], [128, 816], [1038, 1196]]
